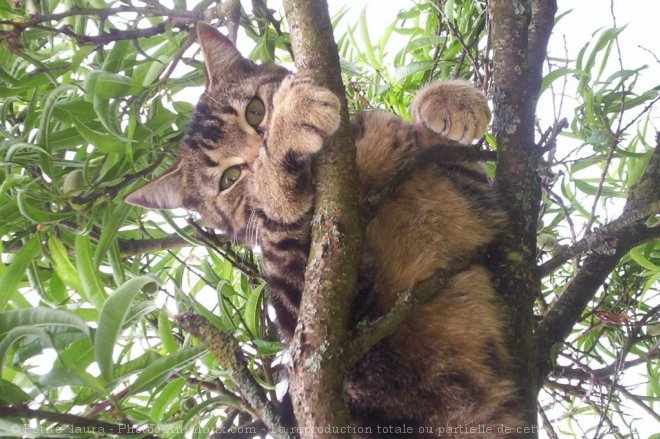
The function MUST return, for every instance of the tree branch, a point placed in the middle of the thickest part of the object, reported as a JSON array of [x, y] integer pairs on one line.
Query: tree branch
[[518, 53], [561, 318], [318, 363], [104, 38], [369, 333], [133, 247], [600, 241], [227, 10], [540, 27], [228, 353]]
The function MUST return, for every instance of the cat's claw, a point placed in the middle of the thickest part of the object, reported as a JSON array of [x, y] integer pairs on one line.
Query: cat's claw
[[454, 110]]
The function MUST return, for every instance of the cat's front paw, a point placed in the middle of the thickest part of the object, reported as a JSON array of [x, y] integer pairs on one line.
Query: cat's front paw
[[454, 110], [304, 113]]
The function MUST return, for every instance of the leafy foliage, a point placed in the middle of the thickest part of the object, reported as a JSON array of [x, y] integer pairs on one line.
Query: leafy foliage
[[89, 285]]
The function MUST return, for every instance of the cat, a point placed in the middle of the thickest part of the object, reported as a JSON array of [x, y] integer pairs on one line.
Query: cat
[[244, 166]]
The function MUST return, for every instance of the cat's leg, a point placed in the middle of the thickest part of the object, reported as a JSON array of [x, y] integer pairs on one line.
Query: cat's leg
[[303, 115], [452, 110], [441, 111]]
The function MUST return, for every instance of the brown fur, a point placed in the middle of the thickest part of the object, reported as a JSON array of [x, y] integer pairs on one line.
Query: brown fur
[[446, 365]]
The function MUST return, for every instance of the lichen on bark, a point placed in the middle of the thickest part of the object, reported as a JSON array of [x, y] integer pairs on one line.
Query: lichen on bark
[[318, 363]]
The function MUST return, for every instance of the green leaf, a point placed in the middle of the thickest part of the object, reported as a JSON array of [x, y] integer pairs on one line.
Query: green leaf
[[165, 332], [116, 57], [107, 85], [108, 115], [133, 366], [16, 271], [252, 312], [113, 314], [10, 393], [201, 310], [637, 255], [101, 141], [368, 46], [40, 316], [553, 76], [78, 355], [63, 266], [161, 369], [170, 392], [115, 216], [38, 216], [265, 347], [218, 401], [70, 377], [89, 275], [43, 135], [16, 334], [404, 71]]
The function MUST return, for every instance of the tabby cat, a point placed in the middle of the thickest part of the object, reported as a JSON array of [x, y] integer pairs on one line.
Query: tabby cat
[[244, 166]]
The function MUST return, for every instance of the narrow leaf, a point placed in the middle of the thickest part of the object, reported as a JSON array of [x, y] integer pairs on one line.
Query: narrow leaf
[[63, 266], [113, 314], [163, 368], [39, 316], [89, 276], [16, 271]]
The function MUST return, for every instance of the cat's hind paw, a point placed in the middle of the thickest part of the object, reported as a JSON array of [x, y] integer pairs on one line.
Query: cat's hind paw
[[454, 110], [307, 111]]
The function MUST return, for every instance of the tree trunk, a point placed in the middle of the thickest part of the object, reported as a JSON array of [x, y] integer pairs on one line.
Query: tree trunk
[[319, 364]]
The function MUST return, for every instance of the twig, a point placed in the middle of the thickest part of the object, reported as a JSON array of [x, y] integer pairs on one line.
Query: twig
[[114, 190], [133, 247], [369, 333], [650, 53], [559, 321], [601, 241], [104, 38], [602, 374], [601, 183], [231, 10], [259, 8], [549, 138], [101, 406], [228, 353], [466, 47], [438, 51], [635, 399], [547, 425]]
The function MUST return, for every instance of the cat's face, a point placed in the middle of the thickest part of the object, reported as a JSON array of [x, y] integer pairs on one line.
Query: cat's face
[[213, 172]]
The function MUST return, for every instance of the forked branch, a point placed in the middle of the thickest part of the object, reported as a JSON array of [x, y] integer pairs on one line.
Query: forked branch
[[559, 321]]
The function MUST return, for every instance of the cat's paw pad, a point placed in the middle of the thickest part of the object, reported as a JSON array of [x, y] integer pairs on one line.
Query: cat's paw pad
[[454, 110], [308, 110]]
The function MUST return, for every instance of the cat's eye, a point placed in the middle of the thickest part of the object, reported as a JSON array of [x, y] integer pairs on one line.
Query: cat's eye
[[255, 112], [229, 177]]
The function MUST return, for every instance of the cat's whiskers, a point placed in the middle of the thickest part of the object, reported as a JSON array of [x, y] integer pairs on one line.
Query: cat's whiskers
[[252, 231]]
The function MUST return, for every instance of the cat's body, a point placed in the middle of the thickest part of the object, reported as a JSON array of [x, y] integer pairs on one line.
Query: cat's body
[[245, 167]]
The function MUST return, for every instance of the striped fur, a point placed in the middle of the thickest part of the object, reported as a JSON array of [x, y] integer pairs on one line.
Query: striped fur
[[446, 364]]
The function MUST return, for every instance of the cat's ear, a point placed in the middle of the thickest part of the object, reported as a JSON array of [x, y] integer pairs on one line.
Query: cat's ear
[[221, 58], [162, 193]]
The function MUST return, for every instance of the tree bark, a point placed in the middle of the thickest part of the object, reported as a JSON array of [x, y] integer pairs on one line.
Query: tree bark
[[520, 31], [318, 361]]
